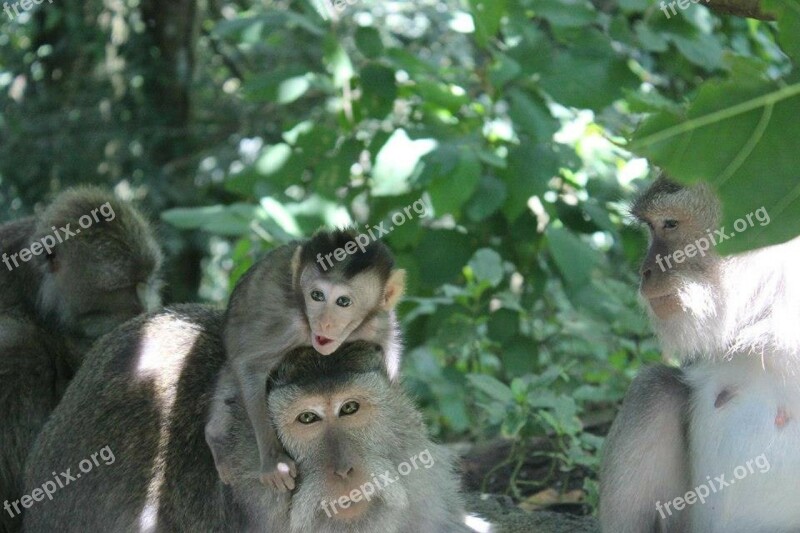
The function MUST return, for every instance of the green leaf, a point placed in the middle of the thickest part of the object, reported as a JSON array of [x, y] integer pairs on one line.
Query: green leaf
[[701, 49], [503, 70], [368, 41], [650, 39], [634, 6], [503, 325], [396, 163], [282, 85], [755, 119], [487, 15], [488, 198], [487, 265], [589, 74], [530, 168], [788, 16], [514, 421], [379, 90], [566, 13], [531, 116], [449, 192], [573, 257], [228, 220], [519, 356], [492, 387], [436, 245]]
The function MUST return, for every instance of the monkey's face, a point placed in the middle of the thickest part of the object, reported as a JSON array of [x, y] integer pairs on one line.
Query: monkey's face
[[91, 288], [335, 308], [335, 436], [680, 253]]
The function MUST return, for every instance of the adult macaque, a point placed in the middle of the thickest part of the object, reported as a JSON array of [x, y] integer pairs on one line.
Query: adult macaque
[[319, 293], [681, 453], [340, 416], [88, 263]]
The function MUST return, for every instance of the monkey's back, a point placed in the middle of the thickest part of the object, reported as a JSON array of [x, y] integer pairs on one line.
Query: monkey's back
[[17, 281], [264, 315], [143, 392]]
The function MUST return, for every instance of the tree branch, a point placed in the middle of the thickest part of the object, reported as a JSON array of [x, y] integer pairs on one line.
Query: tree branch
[[740, 8]]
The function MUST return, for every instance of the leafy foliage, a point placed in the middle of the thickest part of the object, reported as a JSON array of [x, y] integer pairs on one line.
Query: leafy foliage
[[489, 137]]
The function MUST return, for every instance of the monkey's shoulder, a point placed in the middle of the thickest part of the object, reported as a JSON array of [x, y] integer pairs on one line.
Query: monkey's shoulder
[[267, 282], [157, 343]]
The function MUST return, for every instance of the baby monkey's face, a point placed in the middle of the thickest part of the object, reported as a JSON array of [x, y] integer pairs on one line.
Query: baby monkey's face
[[336, 307]]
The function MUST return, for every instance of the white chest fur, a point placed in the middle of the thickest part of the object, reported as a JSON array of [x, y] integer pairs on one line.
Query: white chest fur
[[745, 447]]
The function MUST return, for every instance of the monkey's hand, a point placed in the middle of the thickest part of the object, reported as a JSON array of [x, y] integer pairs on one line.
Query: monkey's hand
[[225, 473], [279, 473]]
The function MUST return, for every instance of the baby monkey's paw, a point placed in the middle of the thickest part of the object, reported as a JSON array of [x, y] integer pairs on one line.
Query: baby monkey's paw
[[279, 474]]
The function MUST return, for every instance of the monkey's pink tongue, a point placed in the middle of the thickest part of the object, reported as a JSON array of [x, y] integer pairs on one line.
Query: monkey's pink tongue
[[322, 341]]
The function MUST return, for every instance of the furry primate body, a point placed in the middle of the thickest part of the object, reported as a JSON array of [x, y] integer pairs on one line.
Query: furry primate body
[[291, 298], [53, 306], [735, 402], [146, 393]]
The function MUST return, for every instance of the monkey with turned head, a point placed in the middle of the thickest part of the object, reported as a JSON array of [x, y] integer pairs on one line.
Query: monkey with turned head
[[298, 296], [674, 457], [63, 284]]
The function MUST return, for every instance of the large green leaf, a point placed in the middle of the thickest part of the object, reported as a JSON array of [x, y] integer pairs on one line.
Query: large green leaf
[[396, 163], [574, 258], [450, 191], [231, 220], [587, 74], [740, 135]]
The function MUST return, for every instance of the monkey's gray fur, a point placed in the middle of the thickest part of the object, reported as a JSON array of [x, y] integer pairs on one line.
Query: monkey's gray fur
[[146, 391], [48, 321]]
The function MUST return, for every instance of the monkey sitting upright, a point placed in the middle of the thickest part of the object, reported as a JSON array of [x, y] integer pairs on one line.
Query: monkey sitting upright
[[318, 293], [712, 446], [69, 275]]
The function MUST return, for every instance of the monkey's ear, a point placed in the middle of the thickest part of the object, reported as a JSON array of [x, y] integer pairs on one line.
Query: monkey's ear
[[295, 265], [395, 287]]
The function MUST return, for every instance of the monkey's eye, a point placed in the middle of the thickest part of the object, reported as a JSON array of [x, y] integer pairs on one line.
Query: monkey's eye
[[670, 224], [349, 408], [343, 301], [307, 417], [318, 296]]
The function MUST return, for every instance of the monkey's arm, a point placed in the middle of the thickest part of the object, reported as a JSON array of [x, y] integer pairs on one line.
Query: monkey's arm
[[645, 459], [277, 469]]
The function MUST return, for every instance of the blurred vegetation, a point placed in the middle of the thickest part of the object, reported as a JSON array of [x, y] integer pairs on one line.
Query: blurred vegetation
[[523, 126]]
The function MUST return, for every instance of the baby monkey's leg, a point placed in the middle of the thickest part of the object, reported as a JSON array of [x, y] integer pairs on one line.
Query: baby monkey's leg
[[220, 421], [217, 433], [277, 469]]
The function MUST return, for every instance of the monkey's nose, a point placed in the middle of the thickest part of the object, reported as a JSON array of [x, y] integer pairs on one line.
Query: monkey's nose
[[344, 472], [647, 273]]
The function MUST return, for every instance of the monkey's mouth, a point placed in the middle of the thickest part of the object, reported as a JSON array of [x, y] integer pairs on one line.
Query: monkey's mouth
[[322, 341], [324, 345], [665, 306]]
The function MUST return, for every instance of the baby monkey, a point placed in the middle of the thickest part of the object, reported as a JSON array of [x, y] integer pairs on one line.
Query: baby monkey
[[322, 292]]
